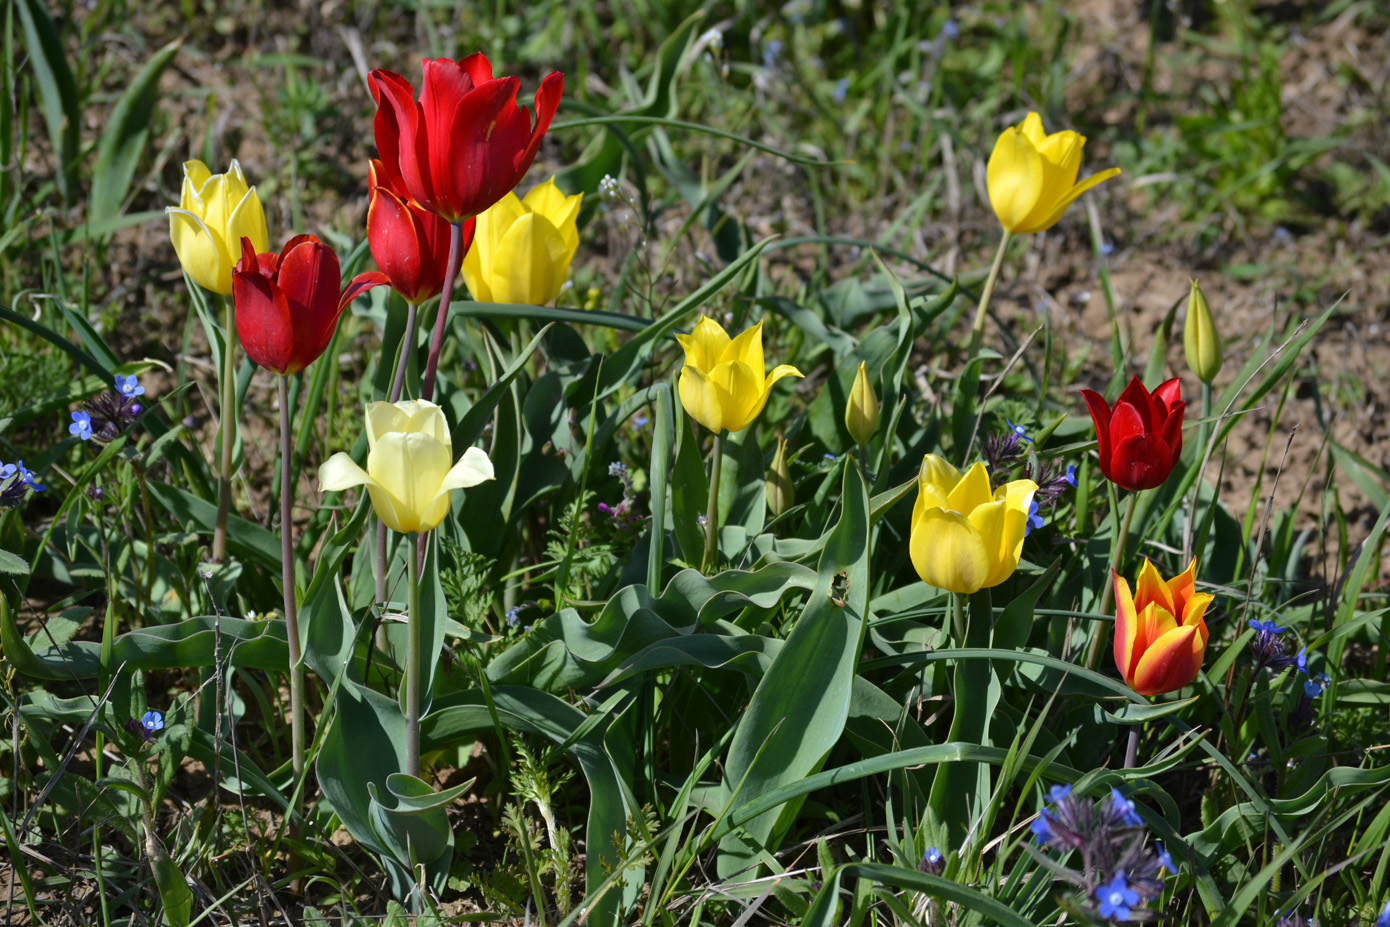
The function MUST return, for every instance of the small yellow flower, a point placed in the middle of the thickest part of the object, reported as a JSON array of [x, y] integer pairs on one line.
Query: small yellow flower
[[861, 413], [215, 212], [522, 248], [409, 474], [779, 491], [1200, 340], [964, 537], [1032, 176], [722, 385]]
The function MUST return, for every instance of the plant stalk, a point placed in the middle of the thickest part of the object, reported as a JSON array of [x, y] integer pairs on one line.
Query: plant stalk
[[712, 510], [287, 580], [958, 626], [412, 668], [442, 318], [397, 384], [228, 423], [1107, 595], [1132, 748], [977, 329]]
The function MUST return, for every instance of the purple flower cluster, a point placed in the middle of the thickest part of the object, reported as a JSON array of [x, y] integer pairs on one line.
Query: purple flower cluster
[[1004, 451], [1120, 873], [624, 515], [1267, 649], [106, 415]]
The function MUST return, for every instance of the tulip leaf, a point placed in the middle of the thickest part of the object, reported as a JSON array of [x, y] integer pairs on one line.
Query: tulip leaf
[[246, 540], [659, 475], [689, 492], [798, 711], [743, 484], [410, 820], [124, 139], [1130, 713], [969, 899], [58, 92]]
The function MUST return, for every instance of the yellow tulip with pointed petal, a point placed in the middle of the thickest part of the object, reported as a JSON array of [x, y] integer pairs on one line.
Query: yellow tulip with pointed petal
[[522, 248], [966, 537], [215, 212], [410, 471], [722, 385], [1031, 176]]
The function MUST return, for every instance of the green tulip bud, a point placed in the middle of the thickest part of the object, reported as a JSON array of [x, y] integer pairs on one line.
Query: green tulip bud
[[1200, 342], [781, 495]]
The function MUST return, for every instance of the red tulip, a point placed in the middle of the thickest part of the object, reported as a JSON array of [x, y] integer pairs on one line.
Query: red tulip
[[409, 244], [466, 143], [1141, 437], [288, 304]]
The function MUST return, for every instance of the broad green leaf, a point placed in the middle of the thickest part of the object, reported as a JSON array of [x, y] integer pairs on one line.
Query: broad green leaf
[[126, 135]]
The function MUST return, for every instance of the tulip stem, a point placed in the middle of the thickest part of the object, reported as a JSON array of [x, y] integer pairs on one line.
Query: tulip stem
[[977, 330], [712, 510], [228, 423], [437, 336], [412, 669], [287, 580], [1132, 748], [958, 626], [1117, 551], [397, 384], [1203, 435]]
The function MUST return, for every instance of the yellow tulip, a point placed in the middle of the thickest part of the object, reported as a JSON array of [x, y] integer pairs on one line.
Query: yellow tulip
[[861, 414], [964, 536], [215, 212], [778, 488], [1200, 340], [1032, 176], [722, 385], [522, 248], [409, 474]]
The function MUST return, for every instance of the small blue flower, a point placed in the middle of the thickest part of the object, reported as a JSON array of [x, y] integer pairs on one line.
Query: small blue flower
[[950, 29], [1018, 430], [1384, 919], [1058, 793], [152, 721], [841, 90], [1124, 809], [81, 425], [6, 471], [932, 856], [771, 52], [1106, 249], [29, 479], [129, 387], [1302, 660], [1116, 898], [640, 421], [512, 618], [1042, 831], [1267, 627], [1034, 519], [1165, 859], [1071, 475]]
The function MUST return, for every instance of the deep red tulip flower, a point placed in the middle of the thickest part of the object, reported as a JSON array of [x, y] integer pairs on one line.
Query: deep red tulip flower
[[409, 244], [288, 304], [1141, 437], [465, 143]]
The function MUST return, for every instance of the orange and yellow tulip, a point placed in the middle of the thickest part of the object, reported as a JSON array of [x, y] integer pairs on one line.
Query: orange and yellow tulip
[[1160, 635]]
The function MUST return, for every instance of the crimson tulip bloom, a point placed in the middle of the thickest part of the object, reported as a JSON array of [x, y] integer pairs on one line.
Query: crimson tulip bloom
[[1141, 437], [409, 244], [288, 304], [465, 143]]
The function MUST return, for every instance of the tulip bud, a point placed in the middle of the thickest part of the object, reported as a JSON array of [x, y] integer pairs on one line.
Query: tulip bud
[[861, 414], [781, 495], [1200, 341]]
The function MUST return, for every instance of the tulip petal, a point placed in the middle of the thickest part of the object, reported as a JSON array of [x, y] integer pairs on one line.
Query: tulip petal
[[1100, 417], [705, 344], [339, 472], [410, 467], [1032, 129], [939, 473], [948, 552], [747, 349], [1005, 542], [198, 251], [309, 277], [386, 126], [1014, 178], [562, 211], [409, 416], [1171, 432], [470, 145], [263, 320], [1140, 462], [1182, 586], [1126, 628], [547, 101], [394, 240], [248, 221], [1071, 196], [741, 393], [972, 491], [529, 266], [700, 398], [473, 467], [401, 138], [1170, 662], [1061, 159]]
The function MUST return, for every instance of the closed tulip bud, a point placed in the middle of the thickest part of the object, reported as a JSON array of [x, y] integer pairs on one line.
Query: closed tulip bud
[[781, 495], [1160, 634], [722, 385], [1200, 341], [522, 249], [1031, 176], [215, 212], [410, 473], [861, 413], [965, 537]]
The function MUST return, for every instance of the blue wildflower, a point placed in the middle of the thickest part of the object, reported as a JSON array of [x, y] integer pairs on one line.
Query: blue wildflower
[[931, 862], [1071, 475], [1122, 809], [1384, 919], [1041, 827], [81, 425], [152, 721], [1165, 859], [1034, 519], [640, 421], [1018, 430], [1116, 898], [841, 90], [771, 52], [6, 471], [1301, 661], [1311, 688], [129, 387], [512, 617], [29, 479], [950, 29], [1058, 793]]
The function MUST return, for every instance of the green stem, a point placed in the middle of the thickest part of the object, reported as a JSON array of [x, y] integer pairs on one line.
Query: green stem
[[712, 510], [228, 423], [442, 317], [1108, 593], [287, 580], [503, 750], [412, 668], [397, 384], [958, 625], [1132, 748], [977, 329], [1203, 436]]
